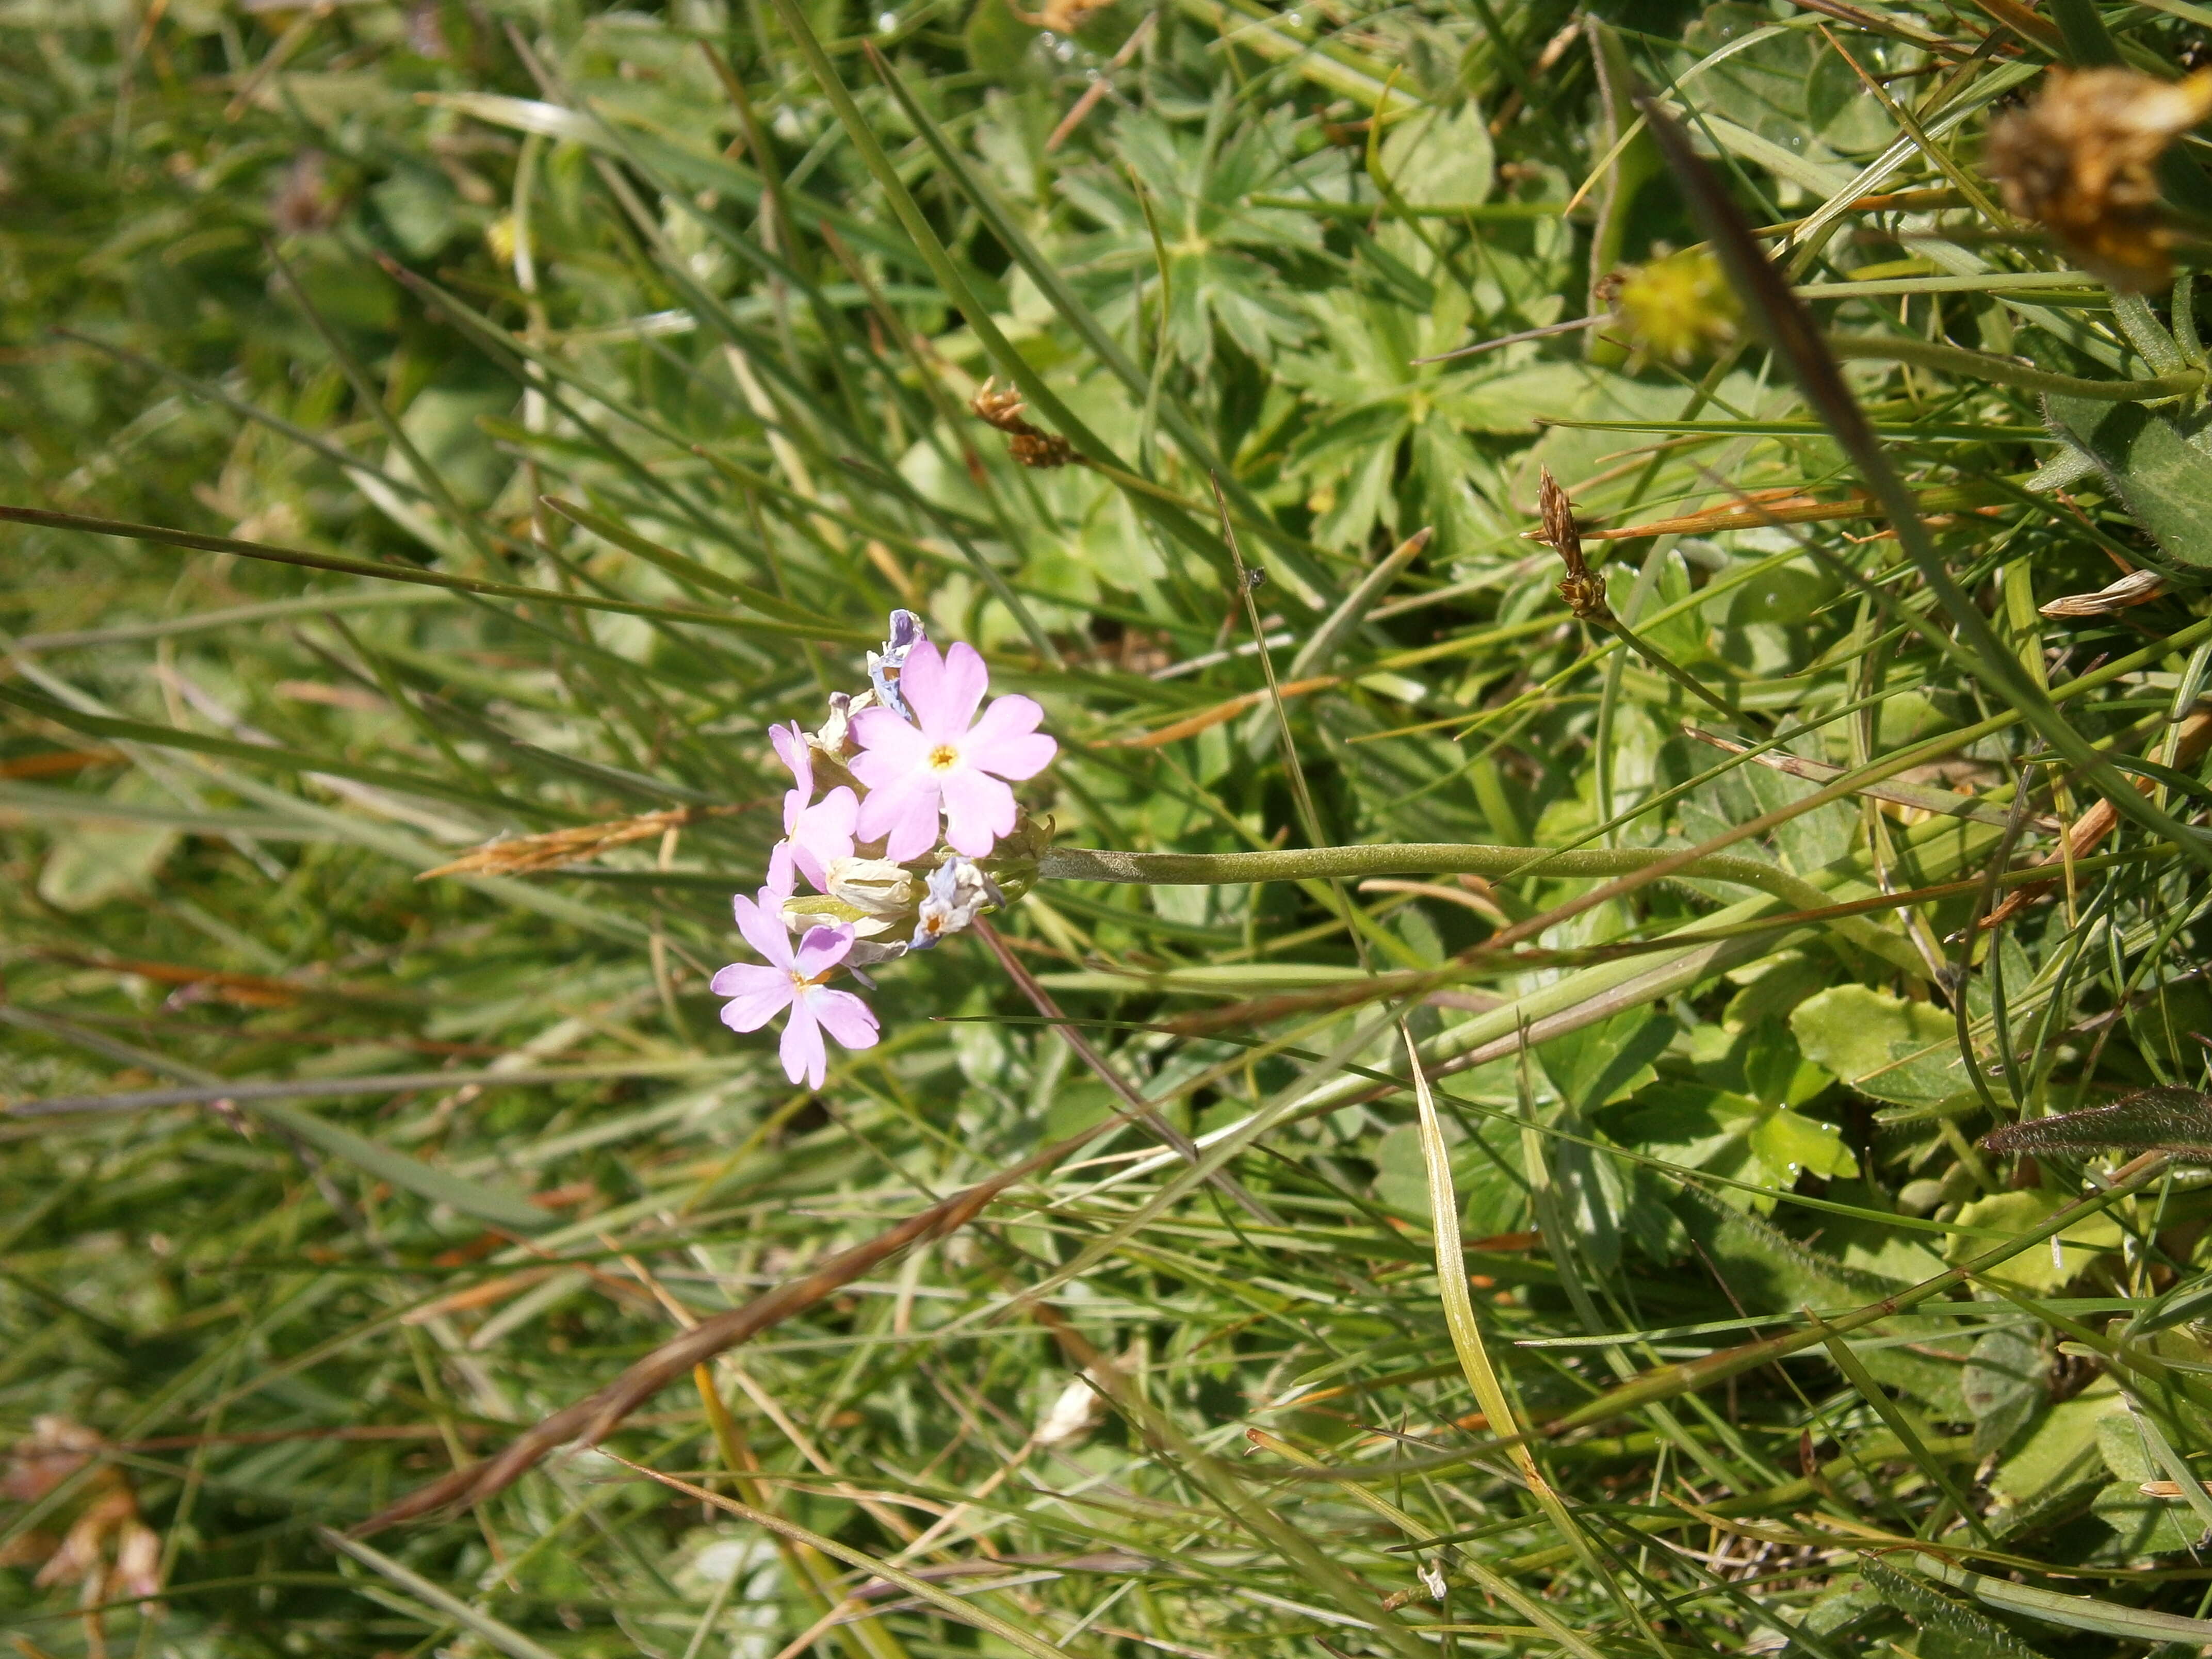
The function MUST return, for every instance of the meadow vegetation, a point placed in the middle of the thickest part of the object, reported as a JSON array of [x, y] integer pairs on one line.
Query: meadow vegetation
[[439, 437]]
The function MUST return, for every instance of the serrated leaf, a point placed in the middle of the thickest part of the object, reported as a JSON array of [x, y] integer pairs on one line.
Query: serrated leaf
[[1960, 1631]]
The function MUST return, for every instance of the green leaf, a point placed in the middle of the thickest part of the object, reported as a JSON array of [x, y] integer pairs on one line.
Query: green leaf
[[1602, 1063], [2007, 1379], [2168, 1119], [1884, 1046], [997, 43], [1950, 1628], [501, 1208], [1789, 1143], [92, 862], [1440, 159], [2035, 1271], [2051, 1472], [2161, 471], [2147, 1525]]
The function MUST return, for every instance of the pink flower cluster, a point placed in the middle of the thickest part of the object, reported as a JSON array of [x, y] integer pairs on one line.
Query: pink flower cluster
[[928, 762]]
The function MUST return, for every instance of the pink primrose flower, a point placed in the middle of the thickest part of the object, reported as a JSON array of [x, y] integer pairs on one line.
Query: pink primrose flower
[[947, 758], [793, 979], [815, 832]]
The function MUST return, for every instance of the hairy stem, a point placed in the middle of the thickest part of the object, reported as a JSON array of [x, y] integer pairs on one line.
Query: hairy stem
[[2004, 371]]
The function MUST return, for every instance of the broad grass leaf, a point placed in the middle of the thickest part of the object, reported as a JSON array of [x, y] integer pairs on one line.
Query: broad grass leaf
[[2161, 471], [1887, 1048]]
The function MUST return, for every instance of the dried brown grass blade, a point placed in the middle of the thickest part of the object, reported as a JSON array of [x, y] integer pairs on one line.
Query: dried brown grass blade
[[1191, 725], [516, 855]]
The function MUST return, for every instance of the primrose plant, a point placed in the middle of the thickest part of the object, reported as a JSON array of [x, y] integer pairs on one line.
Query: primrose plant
[[916, 834]]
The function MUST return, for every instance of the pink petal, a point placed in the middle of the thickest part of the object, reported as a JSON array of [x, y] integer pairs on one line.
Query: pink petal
[[978, 810], [845, 1017], [823, 948], [795, 808], [762, 924], [790, 748], [779, 868], [892, 748], [906, 814], [801, 1048], [1006, 740], [777, 887], [824, 832], [837, 810], [943, 691], [757, 994]]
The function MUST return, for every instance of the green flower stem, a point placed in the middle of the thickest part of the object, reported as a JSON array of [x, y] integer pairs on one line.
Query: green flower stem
[[2004, 371], [1413, 859], [1681, 676]]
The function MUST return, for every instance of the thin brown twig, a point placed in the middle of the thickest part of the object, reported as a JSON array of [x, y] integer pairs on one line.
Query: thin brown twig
[[592, 1420]]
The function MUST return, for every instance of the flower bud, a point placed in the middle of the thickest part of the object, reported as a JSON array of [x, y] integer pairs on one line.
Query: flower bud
[[1678, 307]]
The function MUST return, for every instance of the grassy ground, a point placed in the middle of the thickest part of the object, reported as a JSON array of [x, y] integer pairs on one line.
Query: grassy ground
[[641, 344]]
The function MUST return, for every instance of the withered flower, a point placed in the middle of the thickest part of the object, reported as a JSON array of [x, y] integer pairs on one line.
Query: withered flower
[[1061, 17], [2081, 161], [108, 1549], [1028, 446], [1583, 589]]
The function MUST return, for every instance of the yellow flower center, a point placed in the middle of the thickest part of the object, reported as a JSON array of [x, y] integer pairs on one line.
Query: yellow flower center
[[944, 758]]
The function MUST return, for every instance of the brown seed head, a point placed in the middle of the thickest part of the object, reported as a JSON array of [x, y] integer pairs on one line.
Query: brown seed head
[[2083, 161], [1028, 445], [1583, 589]]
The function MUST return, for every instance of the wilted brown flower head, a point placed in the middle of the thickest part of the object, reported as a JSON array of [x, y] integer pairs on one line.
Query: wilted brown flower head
[[1583, 589], [2082, 162], [1028, 446], [303, 202], [1061, 17], [108, 1548]]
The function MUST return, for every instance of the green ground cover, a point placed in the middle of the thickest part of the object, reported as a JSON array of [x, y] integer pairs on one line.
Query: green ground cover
[[449, 433]]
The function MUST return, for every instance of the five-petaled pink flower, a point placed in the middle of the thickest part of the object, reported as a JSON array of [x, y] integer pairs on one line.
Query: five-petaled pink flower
[[944, 758], [792, 979], [815, 832]]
